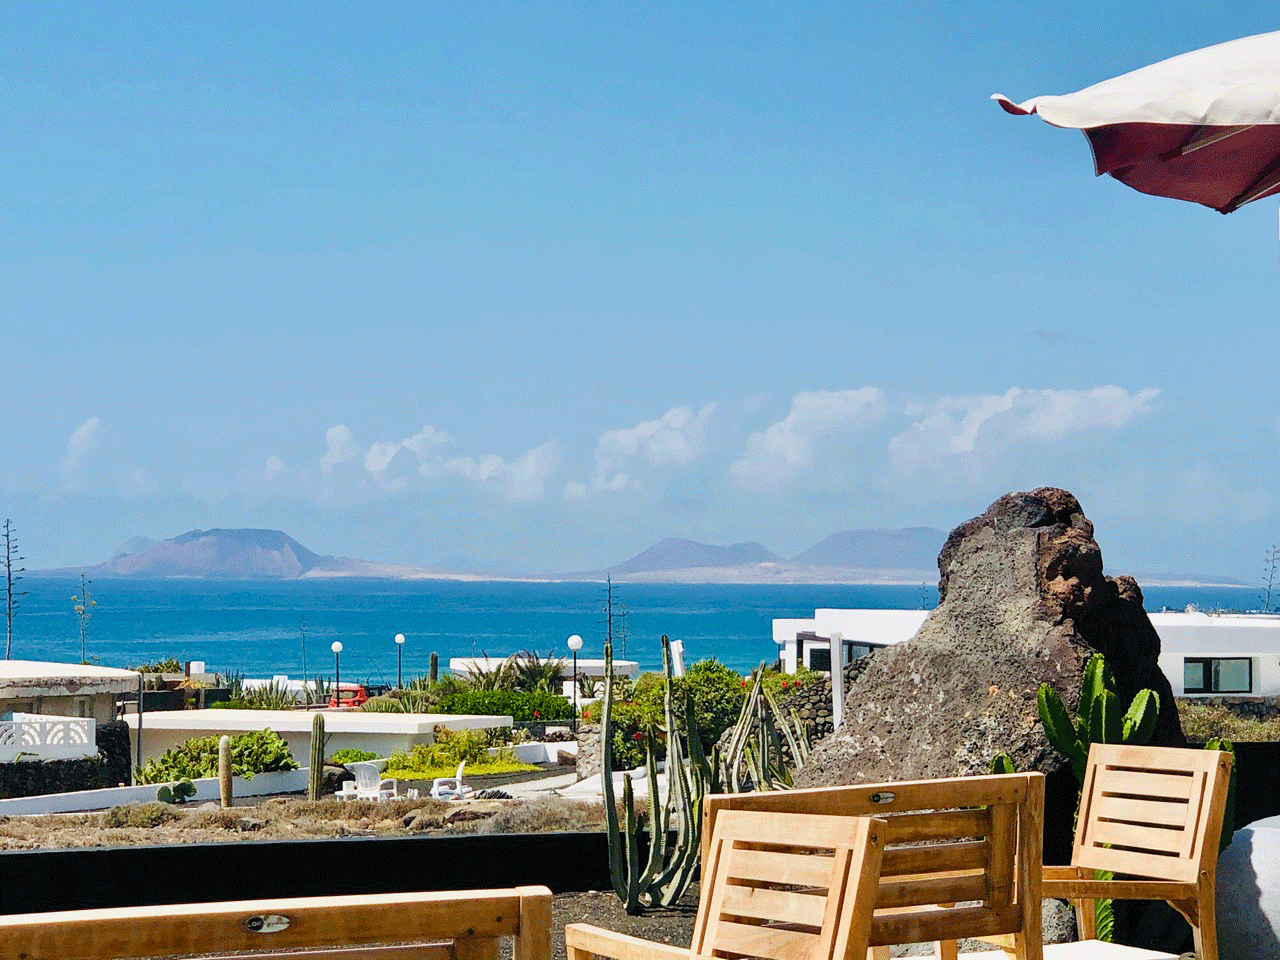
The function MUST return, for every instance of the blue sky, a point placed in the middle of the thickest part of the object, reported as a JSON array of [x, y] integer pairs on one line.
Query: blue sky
[[530, 286]]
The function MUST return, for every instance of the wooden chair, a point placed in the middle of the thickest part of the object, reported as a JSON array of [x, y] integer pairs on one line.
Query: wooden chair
[[768, 892], [1153, 815], [462, 925], [946, 842]]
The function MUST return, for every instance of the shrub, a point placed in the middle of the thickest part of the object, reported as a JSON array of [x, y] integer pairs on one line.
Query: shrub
[[166, 665], [546, 815], [255, 752], [517, 705], [718, 694], [783, 685], [1201, 722], [352, 755], [142, 815]]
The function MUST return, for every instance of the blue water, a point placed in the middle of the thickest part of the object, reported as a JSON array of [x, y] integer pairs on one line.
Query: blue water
[[254, 627]]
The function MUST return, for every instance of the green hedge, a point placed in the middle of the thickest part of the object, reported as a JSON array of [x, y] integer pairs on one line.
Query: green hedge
[[512, 703]]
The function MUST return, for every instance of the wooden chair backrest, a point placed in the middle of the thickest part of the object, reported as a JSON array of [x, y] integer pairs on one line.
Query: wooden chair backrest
[[1151, 811], [461, 925], [946, 841], [788, 886]]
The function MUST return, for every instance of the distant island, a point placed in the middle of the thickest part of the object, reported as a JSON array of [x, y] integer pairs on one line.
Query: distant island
[[870, 556]]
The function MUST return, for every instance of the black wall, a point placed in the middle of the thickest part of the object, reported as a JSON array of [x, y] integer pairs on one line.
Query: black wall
[[34, 881]]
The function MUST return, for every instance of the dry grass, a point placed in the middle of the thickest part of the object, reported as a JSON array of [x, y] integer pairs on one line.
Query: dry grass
[[1203, 722], [546, 815]]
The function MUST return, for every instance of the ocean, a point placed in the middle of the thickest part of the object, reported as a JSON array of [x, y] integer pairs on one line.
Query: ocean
[[268, 628]]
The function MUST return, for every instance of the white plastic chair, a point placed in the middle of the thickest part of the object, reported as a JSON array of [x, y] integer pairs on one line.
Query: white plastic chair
[[369, 782], [451, 788]]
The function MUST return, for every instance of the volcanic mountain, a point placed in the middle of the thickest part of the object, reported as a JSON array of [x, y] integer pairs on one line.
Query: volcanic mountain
[[232, 554]]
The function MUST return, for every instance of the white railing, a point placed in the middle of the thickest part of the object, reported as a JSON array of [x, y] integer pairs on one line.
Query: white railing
[[32, 737]]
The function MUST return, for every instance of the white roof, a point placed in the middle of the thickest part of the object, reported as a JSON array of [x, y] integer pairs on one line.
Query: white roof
[[38, 678], [1227, 634]]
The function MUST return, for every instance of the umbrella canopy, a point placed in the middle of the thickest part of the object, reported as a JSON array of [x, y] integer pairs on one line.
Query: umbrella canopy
[[1203, 126]]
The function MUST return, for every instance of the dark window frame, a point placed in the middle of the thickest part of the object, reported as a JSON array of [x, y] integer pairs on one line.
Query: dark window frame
[[1211, 682]]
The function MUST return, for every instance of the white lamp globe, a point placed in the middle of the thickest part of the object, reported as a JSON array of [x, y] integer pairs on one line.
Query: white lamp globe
[[399, 638], [336, 646], [575, 643]]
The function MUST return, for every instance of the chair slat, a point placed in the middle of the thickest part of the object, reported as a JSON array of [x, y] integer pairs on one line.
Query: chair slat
[[952, 923], [1169, 786], [771, 942], [926, 892], [929, 857], [1137, 837], [763, 903], [776, 866], [1133, 810], [939, 825]]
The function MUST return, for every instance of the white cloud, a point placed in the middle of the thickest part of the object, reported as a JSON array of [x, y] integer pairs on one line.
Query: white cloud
[[274, 467], [959, 426], [522, 479], [679, 436], [83, 441], [787, 449], [575, 491], [340, 445]]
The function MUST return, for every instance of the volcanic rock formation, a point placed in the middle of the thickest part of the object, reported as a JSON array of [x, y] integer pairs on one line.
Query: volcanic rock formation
[[1023, 601]]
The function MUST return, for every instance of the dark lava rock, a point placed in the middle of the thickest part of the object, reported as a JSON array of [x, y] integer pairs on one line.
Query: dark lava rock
[[1023, 601]]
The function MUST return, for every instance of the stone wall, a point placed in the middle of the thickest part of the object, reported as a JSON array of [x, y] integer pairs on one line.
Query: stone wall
[[110, 768], [1250, 708]]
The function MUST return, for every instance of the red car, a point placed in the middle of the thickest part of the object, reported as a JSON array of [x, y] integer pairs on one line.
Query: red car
[[353, 694]]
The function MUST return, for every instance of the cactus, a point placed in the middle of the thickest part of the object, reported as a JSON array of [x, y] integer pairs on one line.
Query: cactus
[[755, 747], [435, 668], [224, 771], [316, 774], [1098, 718], [665, 875], [1002, 763], [178, 792]]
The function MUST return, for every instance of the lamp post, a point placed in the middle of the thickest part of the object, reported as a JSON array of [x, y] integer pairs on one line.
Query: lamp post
[[399, 661], [575, 644], [336, 647]]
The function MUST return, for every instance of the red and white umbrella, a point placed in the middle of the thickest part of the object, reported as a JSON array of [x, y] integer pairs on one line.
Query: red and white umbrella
[[1203, 126]]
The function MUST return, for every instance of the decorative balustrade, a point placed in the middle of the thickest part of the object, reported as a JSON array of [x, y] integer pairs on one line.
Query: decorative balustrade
[[32, 737]]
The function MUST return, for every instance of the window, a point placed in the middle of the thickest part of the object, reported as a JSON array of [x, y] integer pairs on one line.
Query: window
[[1217, 675]]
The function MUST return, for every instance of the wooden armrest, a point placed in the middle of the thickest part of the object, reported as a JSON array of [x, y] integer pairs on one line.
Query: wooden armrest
[[606, 943], [1091, 889], [1065, 873]]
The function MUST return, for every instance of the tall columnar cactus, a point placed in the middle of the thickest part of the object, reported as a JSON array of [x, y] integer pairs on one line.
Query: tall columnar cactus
[[1098, 716], [435, 667], [224, 771], [316, 774], [664, 876]]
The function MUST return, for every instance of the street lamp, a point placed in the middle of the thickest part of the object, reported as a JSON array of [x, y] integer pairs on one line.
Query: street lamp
[[575, 644], [399, 661], [336, 647]]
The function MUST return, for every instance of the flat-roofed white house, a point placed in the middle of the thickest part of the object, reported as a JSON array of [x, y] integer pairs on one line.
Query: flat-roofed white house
[[1202, 654], [50, 711]]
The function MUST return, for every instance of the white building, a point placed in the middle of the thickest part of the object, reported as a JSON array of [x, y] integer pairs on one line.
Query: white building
[[1203, 655]]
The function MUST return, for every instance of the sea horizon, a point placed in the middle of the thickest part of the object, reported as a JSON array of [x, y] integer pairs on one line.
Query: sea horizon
[[266, 628]]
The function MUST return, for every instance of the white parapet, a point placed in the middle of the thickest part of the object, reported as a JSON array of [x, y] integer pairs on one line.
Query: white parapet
[[32, 737]]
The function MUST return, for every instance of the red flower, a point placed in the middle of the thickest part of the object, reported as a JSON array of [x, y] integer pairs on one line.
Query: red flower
[[638, 737], [537, 715], [744, 684]]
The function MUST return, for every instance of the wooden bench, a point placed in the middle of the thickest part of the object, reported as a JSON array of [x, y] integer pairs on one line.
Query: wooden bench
[[462, 925], [951, 841]]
